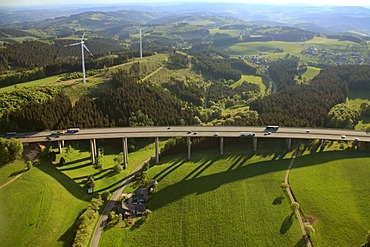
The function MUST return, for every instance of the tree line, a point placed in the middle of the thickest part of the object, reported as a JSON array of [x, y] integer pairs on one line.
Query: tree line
[[132, 104], [303, 105]]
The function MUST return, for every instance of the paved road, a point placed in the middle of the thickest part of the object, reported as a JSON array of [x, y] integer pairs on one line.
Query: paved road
[[201, 131], [103, 218]]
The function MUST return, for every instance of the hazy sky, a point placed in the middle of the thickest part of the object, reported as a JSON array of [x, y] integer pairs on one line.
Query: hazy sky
[[83, 2]]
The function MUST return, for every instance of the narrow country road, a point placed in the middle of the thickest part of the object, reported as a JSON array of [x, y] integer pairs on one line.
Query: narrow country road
[[103, 218], [297, 213]]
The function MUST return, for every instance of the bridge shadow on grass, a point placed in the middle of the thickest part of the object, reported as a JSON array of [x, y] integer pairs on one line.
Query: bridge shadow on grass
[[201, 168], [76, 167], [73, 188], [165, 172], [76, 161], [203, 184], [113, 187]]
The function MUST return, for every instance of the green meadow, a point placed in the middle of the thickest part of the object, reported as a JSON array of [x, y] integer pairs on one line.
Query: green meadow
[[43, 81], [213, 200], [251, 79], [40, 207], [333, 191], [269, 49], [310, 73]]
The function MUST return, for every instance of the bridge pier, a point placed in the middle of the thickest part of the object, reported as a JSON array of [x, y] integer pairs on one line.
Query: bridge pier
[[157, 150], [92, 149], [255, 144], [222, 145], [60, 147], [125, 152], [289, 143], [95, 150], [62, 142], [189, 148]]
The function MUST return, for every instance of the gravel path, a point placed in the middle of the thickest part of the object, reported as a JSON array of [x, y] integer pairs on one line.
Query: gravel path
[[297, 213]]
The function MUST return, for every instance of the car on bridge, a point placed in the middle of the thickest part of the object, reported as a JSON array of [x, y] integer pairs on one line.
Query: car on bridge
[[247, 134]]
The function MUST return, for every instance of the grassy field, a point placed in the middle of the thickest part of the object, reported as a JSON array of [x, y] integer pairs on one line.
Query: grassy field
[[42, 205], [310, 73], [293, 48], [10, 170], [43, 81], [333, 188], [213, 200], [39, 208], [78, 163], [356, 98], [234, 33], [252, 79]]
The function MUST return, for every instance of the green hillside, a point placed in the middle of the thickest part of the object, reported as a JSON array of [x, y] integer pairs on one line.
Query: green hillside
[[333, 191], [234, 200]]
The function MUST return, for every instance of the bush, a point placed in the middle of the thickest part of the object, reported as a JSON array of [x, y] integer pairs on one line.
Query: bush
[[309, 229], [118, 168], [85, 221], [105, 195], [69, 149], [294, 206], [284, 186], [29, 165]]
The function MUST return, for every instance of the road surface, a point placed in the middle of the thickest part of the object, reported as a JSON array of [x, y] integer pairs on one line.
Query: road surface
[[196, 131]]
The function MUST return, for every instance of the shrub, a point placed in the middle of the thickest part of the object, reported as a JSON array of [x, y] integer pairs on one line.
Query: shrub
[[284, 186], [29, 165], [105, 195], [85, 221], [118, 168], [309, 229], [294, 206], [36, 162]]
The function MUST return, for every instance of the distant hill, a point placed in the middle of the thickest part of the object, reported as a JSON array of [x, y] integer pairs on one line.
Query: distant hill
[[323, 19]]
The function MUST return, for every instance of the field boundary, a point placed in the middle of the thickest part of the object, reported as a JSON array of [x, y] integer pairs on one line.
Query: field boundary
[[291, 197]]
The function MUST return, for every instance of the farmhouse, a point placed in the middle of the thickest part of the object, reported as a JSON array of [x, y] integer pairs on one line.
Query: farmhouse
[[135, 204]]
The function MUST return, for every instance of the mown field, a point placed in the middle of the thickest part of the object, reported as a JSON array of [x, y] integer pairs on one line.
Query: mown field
[[333, 189], [310, 73], [213, 200], [10, 171], [356, 98], [78, 165], [43, 81], [269, 49], [252, 79], [232, 32], [39, 208], [43, 204]]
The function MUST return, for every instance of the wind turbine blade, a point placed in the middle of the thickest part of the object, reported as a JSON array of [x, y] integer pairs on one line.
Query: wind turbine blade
[[88, 50], [83, 35], [74, 44]]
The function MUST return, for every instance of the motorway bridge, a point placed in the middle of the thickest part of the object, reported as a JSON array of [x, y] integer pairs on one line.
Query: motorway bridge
[[189, 132]]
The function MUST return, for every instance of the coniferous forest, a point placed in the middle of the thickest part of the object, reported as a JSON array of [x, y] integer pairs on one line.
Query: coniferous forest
[[206, 79]]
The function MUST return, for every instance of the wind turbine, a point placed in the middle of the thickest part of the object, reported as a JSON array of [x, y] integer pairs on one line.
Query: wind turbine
[[83, 46], [141, 42]]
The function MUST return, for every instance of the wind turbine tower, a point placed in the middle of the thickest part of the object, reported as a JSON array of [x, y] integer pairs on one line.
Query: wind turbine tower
[[83, 46], [141, 42]]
